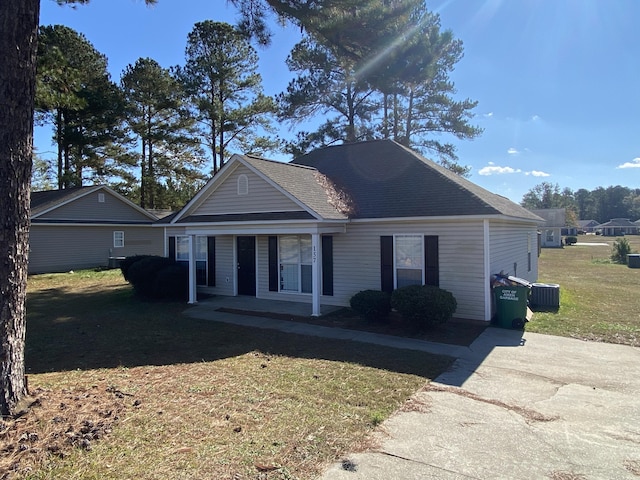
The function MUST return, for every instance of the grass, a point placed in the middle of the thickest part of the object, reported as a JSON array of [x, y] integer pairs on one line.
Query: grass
[[172, 397], [598, 299]]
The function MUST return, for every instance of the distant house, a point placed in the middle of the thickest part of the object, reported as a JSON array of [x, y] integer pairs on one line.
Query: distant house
[[554, 220], [618, 226], [370, 215], [587, 226], [85, 227]]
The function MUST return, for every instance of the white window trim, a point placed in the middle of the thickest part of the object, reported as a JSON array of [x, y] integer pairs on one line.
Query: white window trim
[[299, 264], [395, 256], [118, 242], [205, 259]]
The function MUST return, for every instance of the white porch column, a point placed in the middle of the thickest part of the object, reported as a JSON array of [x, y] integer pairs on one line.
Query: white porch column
[[316, 253], [193, 288], [487, 270]]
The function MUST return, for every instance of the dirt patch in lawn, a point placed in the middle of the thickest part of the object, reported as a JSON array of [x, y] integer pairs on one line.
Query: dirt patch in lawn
[[455, 332]]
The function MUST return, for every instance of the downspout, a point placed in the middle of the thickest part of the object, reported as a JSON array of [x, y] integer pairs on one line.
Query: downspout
[[487, 270]]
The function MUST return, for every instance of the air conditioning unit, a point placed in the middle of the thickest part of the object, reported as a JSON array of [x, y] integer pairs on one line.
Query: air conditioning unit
[[546, 295]]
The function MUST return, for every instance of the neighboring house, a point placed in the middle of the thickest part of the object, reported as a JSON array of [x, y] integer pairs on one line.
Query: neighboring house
[[370, 215], [587, 226], [85, 227], [618, 226], [554, 220]]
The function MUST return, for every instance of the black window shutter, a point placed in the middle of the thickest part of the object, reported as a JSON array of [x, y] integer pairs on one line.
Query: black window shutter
[[273, 263], [172, 248], [211, 261], [386, 264], [431, 262], [327, 265]]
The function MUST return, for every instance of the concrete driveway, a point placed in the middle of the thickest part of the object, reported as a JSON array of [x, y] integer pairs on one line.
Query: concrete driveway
[[515, 406]]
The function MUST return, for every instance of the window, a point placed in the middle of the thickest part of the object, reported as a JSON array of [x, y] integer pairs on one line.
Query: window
[[295, 263], [101, 198], [182, 256], [243, 184], [118, 239], [550, 236], [409, 261]]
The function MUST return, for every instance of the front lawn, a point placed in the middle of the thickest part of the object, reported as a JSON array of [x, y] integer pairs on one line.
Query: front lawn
[[145, 392]]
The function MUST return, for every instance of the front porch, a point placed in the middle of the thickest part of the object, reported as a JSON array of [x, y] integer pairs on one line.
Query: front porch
[[244, 303]]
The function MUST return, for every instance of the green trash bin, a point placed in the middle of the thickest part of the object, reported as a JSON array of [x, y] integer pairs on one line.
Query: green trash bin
[[511, 305]]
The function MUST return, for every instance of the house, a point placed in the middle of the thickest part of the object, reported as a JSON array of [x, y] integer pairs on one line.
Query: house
[[85, 227], [554, 220], [587, 226], [618, 226], [346, 218]]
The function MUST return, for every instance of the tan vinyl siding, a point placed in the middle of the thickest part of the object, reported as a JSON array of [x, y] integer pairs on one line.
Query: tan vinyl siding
[[224, 265], [262, 197], [357, 260], [356, 263], [88, 208], [509, 246], [64, 248]]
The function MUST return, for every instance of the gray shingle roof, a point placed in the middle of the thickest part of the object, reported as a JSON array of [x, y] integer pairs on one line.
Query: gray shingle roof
[[45, 199], [304, 183], [384, 180]]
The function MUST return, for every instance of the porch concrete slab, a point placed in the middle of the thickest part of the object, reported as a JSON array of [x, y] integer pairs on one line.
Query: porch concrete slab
[[516, 406], [253, 304]]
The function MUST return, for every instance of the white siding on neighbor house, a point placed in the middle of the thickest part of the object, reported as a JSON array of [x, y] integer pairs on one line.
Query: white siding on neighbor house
[[509, 249], [262, 197], [55, 248], [88, 208]]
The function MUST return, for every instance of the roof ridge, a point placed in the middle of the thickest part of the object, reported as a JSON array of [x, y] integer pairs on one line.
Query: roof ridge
[[269, 160]]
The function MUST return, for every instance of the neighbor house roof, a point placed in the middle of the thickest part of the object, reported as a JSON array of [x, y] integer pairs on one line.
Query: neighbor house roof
[[382, 179], [618, 222], [46, 201], [553, 217]]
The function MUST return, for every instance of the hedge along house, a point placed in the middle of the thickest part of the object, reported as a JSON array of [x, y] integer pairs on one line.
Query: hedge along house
[[87, 227], [370, 215]]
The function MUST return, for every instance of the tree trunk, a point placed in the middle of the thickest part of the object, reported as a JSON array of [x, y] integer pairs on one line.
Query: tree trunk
[[59, 142], [18, 41]]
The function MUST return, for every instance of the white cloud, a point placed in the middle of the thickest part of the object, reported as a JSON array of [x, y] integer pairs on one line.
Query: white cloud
[[495, 170], [513, 151], [635, 163], [535, 118], [488, 115], [537, 173]]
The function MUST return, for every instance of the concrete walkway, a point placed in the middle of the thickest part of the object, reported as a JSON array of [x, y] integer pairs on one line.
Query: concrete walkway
[[512, 406], [209, 310]]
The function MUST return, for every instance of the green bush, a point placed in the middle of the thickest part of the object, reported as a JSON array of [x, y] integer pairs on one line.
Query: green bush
[[423, 306], [144, 273], [372, 305], [172, 283], [570, 240], [621, 248], [126, 263]]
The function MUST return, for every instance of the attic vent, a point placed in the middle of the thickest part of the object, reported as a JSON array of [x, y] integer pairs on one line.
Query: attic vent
[[101, 198], [243, 184]]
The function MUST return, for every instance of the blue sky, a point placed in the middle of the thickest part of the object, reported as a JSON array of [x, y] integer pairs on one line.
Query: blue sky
[[557, 81]]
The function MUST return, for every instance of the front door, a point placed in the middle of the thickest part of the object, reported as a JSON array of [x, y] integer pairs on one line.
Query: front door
[[246, 247]]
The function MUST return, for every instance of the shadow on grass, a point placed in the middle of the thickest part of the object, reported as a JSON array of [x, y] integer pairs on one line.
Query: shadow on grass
[[112, 328]]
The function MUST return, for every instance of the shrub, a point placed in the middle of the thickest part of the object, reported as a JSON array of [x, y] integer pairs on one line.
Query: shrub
[[424, 306], [570, 240], [172, 282], [126, 263], [143, 273], [373, 305], [621, 248]]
